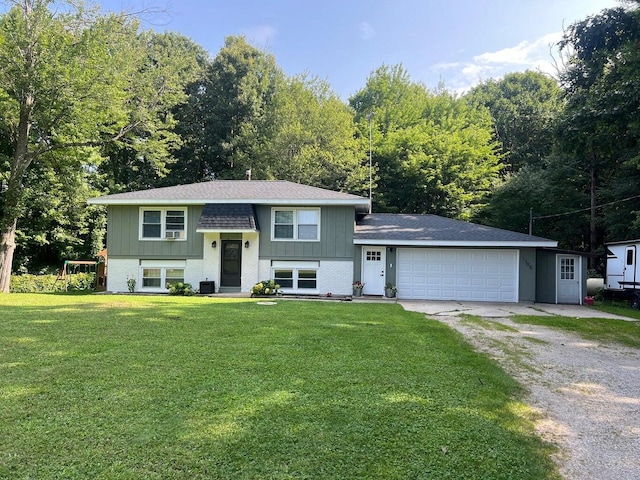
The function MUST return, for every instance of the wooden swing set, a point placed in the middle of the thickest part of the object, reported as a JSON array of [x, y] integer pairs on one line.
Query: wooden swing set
[[99, 267]]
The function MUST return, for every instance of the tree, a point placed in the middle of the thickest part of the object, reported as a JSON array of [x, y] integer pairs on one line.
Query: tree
[[145, 157], [434, 152], [524, 107], [57, 225], [219, 120], [308, 136], [395, 100], [599, 127], [240, 87], [245, 114], [72, 79]]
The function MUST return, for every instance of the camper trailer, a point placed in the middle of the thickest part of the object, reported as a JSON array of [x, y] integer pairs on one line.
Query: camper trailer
[[622, 278]]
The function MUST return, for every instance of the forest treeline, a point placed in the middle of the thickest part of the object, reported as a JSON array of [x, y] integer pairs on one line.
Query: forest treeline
[[91, 104]]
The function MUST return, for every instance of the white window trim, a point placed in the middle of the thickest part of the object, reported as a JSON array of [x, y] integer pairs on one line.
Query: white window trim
[[295, 224], [163, 224], [295, 267], [163, 265]]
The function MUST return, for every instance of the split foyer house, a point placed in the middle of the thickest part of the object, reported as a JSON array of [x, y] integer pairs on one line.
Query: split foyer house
[[231, 234]]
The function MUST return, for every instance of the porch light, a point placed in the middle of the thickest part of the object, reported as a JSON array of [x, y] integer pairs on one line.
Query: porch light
[[214, 244], [246, 244]]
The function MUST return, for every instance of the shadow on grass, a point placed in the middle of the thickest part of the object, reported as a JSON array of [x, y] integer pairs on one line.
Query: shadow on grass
[[166, 387]]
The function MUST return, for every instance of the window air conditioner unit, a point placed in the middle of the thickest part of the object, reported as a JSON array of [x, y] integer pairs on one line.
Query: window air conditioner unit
[[173, 234]]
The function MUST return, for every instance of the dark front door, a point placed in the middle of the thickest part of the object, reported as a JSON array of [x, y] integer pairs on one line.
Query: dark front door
[[231, 263]]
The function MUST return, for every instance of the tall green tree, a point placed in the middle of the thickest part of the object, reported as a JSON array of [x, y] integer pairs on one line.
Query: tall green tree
[[144, 158], [71, 79], [308, 135], [524, 107], [599, 129], [219, 122], [245, 114], [433, 152], [241, 86], [394, 99]]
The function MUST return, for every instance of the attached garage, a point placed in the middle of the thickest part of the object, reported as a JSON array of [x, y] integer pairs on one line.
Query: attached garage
[[480, 275], [428, 257]]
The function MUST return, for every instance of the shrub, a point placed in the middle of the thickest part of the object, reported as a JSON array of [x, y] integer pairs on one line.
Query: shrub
[[265, 287], [47, 283], [180, 288]]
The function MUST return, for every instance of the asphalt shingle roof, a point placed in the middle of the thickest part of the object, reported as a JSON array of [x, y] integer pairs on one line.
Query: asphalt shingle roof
[[228, 216], [397, 228], [233, 191]]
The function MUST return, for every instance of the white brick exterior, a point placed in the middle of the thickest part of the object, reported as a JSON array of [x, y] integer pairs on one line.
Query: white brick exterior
[[333, 276], [194, 272], [211, 259], [264, 270], [250, 267], [120, 270]]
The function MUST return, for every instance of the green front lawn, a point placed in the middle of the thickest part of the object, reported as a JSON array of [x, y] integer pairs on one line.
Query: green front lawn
[[169, 387]]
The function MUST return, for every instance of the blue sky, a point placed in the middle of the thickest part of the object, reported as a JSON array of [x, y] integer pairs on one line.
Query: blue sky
[[460, 42]]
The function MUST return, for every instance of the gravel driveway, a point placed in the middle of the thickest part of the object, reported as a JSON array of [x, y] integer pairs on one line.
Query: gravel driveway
[[588, 392]]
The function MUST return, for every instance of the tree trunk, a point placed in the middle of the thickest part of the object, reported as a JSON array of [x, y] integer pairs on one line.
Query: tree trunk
[[9, 221], [13, 195], [7, 247]]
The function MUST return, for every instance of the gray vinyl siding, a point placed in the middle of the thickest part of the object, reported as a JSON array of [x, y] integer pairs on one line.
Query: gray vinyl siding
[[336, 237], [527, 281], [123, 226], [357, 263], [546, 283], [391, 271]]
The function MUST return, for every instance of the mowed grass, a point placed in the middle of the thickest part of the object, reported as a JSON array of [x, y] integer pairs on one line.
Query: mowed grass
[[196, 388], [618, 308], [608, 330]]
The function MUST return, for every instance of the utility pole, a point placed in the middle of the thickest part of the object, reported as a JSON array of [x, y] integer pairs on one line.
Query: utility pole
[[370, 117], [593, 238]]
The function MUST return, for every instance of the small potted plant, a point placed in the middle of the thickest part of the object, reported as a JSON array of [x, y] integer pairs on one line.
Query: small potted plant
[[357, 288], [390, 290]]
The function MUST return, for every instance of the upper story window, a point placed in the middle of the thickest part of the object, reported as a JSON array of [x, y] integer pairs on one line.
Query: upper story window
[[295, 224], [163, 223]]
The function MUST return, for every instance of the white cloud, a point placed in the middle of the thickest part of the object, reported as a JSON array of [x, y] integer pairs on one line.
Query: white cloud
[[447, 66], [524, 53], [537, 55], [366, 31], [261, 35]]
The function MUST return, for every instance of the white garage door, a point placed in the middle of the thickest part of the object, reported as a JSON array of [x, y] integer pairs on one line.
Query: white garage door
[[481, 275]]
